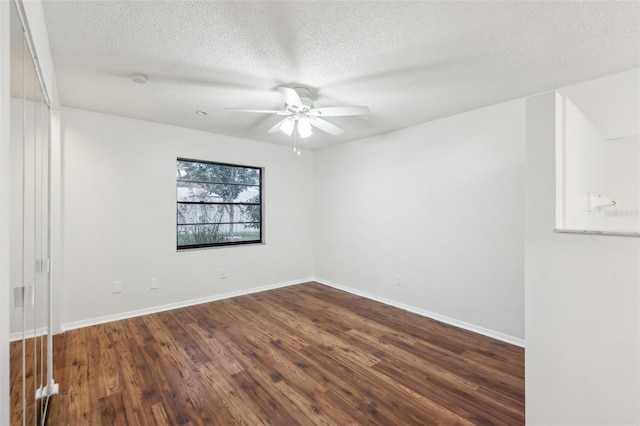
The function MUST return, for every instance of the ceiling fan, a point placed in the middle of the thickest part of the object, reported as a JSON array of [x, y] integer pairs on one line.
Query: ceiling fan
[[301, 115]]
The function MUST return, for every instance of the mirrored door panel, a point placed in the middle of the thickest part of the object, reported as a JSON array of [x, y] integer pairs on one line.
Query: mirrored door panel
[[30, 188]]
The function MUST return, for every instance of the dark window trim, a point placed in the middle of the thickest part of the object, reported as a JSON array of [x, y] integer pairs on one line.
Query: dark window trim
[[218, 202], [214, 223], [217, 183], [228, 243]]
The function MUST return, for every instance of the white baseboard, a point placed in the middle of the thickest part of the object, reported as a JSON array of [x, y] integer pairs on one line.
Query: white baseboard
[[447, 320], [139, 312], [28, 334], [170, 306]]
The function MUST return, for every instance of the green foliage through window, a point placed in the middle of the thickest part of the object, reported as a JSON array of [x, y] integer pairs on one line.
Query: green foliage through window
[[218, 204]]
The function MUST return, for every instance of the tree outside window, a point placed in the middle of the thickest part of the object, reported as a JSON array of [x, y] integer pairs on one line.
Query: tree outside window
[[218, 204]]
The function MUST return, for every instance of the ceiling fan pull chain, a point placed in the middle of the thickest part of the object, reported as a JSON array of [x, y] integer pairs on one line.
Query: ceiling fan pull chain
[[296, 136]]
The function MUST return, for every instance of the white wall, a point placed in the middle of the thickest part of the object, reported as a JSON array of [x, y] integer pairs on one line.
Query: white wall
[[595, 164], [442, 205], [119, 198], [582, 303], [5, 210], [610, 103]]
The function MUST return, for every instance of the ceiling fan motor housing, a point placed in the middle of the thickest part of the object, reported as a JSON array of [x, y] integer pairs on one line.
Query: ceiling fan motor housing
[[299, 110], [304, 93]]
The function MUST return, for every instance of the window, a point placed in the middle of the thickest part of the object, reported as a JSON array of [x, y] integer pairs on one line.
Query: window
[[218, 204]]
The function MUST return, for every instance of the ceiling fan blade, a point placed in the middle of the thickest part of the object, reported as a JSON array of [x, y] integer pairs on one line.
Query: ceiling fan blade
[[278, 125], [339, 111], [261, 111], [290, 96], [325, 126]]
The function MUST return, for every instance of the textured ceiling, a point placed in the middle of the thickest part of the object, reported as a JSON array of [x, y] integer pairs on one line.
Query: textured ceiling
[[410, 62]]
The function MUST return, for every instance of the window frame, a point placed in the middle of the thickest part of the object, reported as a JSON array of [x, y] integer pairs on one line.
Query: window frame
[[226, 243]]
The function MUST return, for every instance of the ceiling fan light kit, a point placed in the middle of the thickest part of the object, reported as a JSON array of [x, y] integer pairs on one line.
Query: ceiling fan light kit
[[301, 115]]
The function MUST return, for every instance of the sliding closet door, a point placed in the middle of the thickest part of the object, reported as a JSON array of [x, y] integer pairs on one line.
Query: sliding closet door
[[22, 411], [30, 276]]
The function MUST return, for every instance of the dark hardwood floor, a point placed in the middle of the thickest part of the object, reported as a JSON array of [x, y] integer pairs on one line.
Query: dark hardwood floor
[[306, 354], [35, 376]]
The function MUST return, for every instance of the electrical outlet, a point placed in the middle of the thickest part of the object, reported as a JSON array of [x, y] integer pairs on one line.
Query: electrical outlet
[[117, 287], [153, 283], [223, 274], [398, 281]]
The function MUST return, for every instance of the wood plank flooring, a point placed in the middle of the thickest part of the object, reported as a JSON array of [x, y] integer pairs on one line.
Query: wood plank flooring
[[35, 376], [306, 354]]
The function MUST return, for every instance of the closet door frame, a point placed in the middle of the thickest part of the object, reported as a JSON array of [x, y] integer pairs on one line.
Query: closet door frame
[[36, 288]]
